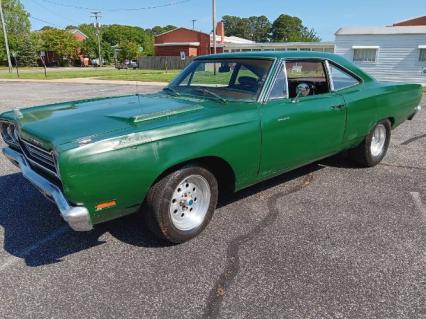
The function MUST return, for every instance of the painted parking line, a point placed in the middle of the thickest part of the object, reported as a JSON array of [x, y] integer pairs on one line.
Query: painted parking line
[[12, 260], [419, 204]]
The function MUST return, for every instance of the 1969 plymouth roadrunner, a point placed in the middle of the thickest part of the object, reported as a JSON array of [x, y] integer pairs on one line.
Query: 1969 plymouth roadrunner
[[226, 122]]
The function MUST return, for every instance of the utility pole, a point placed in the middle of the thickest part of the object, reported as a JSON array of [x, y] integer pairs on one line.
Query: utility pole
[[193, 23], [6, 42], [214, 26], [97, 15]]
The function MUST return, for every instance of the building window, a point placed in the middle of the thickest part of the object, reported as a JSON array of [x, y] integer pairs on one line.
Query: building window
[[305, 49], [422, 57], [365, 55]]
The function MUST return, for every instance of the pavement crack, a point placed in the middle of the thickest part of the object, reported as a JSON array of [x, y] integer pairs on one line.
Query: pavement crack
[[403, 166], [411, 140], [419, 204], [232, 267]]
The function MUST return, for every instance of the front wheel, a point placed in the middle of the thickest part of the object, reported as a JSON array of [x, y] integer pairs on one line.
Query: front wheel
[[181, 204], [373, 149]]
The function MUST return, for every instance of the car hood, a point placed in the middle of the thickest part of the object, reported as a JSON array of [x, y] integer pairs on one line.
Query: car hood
[[58, 124]]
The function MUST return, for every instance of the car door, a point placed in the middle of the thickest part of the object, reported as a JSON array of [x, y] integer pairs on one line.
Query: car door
[[299, 130]]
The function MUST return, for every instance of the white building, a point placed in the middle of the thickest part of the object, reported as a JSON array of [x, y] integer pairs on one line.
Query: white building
[[395, 53]]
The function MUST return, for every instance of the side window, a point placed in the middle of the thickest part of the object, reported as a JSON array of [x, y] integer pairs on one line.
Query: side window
[[311, 73], [279, 90], [341, 79]]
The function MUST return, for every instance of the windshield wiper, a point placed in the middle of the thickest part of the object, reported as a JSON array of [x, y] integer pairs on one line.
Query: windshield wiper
[[217, 96], [171, 90]]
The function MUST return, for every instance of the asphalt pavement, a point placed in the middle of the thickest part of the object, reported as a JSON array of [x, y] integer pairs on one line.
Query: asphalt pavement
[[330, 240]]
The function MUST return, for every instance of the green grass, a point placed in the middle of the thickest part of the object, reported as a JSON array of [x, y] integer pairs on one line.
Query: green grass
[[99, 74], [424, 89]]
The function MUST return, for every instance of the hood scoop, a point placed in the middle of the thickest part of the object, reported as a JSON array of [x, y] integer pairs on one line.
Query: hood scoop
[[135, 117]]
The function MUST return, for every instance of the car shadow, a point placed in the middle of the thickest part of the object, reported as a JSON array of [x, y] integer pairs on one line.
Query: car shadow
[[28, 219]]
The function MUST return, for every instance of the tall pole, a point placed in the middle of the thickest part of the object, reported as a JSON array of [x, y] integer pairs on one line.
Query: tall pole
[[214, 26], [97, 16], [6, 42], [193, 23]]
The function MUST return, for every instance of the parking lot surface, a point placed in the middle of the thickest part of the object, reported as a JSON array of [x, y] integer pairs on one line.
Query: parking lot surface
[[330, 240]]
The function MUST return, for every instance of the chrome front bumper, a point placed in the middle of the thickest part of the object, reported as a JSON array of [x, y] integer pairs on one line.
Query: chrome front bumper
[[77, 217]]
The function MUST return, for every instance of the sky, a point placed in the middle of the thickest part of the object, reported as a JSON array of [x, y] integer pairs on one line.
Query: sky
[[325, 16]]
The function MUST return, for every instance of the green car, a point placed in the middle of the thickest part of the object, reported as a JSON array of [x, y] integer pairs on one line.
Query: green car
[[226, 122]]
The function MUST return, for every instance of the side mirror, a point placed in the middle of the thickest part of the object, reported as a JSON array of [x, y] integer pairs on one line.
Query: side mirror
[[302, 89]]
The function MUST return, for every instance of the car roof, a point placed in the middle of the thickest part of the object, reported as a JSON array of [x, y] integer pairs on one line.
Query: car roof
[[291, 55]]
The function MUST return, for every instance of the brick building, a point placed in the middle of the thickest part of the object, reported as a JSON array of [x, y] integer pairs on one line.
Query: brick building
[[192, 42], [51, 58]]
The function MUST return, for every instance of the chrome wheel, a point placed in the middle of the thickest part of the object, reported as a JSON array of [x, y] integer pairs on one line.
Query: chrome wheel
[[378, 140], [190, 203]]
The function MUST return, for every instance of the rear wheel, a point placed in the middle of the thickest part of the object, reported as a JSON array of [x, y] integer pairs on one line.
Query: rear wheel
[[181, 204], [373, 149]]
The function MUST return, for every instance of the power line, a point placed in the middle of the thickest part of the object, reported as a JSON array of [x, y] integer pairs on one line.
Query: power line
[[53, 12], [117, 9], [44, 21]]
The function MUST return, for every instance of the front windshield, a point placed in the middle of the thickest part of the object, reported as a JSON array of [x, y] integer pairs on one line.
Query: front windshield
[[224, 79]]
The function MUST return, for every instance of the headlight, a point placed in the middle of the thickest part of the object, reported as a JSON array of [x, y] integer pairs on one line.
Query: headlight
[[9, 134]]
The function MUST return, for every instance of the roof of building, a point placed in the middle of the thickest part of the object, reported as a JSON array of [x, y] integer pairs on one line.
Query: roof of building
[[74, 31], [180, 28], [232, 39], [382, 30], [409, 20]]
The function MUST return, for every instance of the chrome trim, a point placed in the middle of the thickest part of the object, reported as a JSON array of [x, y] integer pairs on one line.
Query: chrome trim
[[77, 217], [280, 67], [344, 70], [265, 88], [286, 78], [41, 155], [329, 76]]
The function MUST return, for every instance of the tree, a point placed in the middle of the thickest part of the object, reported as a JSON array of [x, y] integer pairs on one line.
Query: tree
[[128, 50], [89, 46], [61, 42], [27, 53], [117, 34], [158, 29], [254, 28], [291, 29], [17, 25], [260, 28], [46, 27]]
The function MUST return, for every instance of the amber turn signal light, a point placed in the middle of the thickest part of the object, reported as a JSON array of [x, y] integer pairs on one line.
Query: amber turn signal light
[[106, 205]]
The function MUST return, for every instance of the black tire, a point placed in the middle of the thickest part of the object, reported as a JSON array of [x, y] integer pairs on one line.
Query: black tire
[[363, 155], [159, 199]]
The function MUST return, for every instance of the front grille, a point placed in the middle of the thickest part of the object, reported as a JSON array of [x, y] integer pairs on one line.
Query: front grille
[[39, 156]]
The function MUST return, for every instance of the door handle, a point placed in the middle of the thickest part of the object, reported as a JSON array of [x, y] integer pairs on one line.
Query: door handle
[[338, 107]]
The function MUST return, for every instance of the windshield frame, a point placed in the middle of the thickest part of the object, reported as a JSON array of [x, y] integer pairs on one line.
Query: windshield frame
[[187, 70]]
